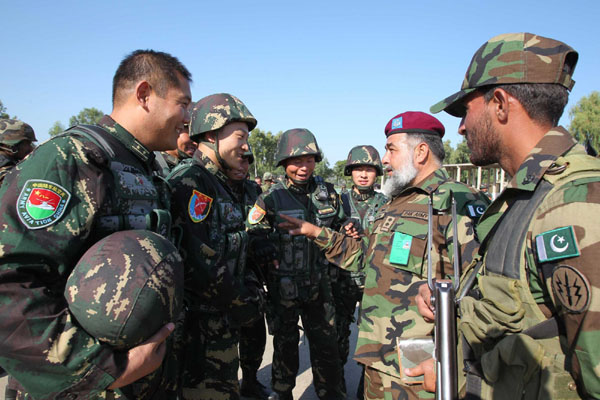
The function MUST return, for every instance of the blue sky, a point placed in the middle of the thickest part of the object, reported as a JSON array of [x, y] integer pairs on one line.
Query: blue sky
[[340, 69]]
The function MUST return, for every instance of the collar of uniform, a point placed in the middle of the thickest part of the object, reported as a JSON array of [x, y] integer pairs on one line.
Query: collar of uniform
[[430, 184], [362, 196], [555, 143], [134, 145], [301, 189], [210, 165]]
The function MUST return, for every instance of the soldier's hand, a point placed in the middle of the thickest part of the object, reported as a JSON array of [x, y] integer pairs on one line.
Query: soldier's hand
[[423, 300], [351, 230], [145, 358], [427, 369], [297, 226]]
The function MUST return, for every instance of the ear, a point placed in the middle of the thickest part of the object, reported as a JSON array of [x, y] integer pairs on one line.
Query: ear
[[421, 153], [211, 136], [501, 103], [142, 93]]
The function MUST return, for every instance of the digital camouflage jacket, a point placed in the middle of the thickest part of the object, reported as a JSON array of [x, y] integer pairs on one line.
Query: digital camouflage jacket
[[63, 198], [393, 255]]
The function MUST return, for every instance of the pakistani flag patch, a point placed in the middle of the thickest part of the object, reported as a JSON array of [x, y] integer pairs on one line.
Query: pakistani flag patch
[[41, 203], [557, 244], [475, 210]]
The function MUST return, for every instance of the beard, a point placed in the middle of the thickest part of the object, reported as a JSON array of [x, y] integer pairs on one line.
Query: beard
[[399, 180], [483, 142]]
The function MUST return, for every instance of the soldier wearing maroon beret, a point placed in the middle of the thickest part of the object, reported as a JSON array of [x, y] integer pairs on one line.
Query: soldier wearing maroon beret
[[394, 255]]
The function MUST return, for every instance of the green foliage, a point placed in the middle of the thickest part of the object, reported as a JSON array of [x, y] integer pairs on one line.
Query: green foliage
[[323, 170], [264, 147], [338, 174], [56, 128], [585, 119], [461, 154], [89, 116], [3, 113]]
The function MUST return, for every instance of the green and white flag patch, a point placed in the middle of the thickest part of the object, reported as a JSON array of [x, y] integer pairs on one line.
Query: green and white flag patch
[[41, 203], [557, 244]]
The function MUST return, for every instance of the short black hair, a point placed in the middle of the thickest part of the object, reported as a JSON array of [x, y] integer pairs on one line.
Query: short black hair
[[158, 68], [543, 102]]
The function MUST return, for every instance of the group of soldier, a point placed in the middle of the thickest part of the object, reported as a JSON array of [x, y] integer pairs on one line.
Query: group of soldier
[[297, 249]]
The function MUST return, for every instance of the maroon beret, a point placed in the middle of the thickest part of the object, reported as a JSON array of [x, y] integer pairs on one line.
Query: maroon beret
[[414, 122]]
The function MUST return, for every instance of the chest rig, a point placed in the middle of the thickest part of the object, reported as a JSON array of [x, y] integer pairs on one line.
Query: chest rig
[[300, 259], [227, 233], [137, 197], [515, 327]]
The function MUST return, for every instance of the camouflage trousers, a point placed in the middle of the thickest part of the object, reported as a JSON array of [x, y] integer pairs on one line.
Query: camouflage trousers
[[211, 359], [314, 306], [346, 294], [381, 386], [253, 339]]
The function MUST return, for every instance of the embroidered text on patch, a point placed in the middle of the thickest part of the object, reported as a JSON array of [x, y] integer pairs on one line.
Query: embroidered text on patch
[[41, 203]]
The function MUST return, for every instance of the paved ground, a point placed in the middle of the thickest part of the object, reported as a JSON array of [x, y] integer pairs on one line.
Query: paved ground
[[304, 389]]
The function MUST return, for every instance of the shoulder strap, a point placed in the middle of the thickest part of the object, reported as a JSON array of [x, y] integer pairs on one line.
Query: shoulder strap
[[93, 133]]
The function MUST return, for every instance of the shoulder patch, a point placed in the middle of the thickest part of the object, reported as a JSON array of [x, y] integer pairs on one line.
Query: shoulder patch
[[199, 206], [41, 203], [557, 244], [571, 288], [475, 210], [256, 215]]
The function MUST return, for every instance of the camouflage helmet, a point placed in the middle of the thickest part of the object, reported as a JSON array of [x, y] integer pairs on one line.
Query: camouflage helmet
[[126, 287], [363, 155], [215, 111], [295, 143], [13, 131], [514, 58], [267, 176]]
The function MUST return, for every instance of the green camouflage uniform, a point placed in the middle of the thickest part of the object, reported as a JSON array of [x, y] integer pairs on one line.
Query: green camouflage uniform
[[300, 286], [67, 195], [214, 248], [347, 286], [12, 132], [388, 309], [539, 248], [267, 181], [168, 162]]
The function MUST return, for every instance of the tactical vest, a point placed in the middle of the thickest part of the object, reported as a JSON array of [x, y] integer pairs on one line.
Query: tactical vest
[[141, 197], [229, 221], [300, 260], [6, 164], [351, 210], [526, 360]]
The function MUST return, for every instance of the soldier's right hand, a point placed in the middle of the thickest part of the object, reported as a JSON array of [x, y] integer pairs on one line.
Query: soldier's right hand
[[423, 300], [264, 253], [145, 358]]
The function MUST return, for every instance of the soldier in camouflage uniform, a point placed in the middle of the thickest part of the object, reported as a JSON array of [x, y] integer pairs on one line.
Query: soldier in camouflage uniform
[[298, 282], [220, 294], [531, 328], [16, 142], [253, 336], [361, 204], [267, 181], [169, 159], [393, 252], [72, 191]]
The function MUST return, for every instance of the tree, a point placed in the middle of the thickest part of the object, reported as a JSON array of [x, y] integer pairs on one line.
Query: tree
[[89, 116], [338, 172], [449, 152], [323, 170], [461, 154], [56, 128], [264, 148], [3, 113], [585, 119]]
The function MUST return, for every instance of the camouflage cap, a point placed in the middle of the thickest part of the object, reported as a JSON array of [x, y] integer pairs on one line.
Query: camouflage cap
[[514, 58], [363, 155], [267, 176], [13, 131], [217, 110], [126, 286], [297, 142]]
